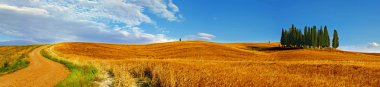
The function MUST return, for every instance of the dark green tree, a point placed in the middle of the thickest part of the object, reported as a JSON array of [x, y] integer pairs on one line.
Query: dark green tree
[[335, 40], [326, 37], [314, 36], [287, 42], [309, 38], [309, 42], [320, 38], [292, 36], [305, 37], [283, 38], [299, 38]]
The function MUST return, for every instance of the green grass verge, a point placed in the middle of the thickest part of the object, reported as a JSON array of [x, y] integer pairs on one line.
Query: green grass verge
[[18, 64], [80, 76]]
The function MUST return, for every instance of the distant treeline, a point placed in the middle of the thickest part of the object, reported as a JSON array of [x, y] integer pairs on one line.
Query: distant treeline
[[310, 38]]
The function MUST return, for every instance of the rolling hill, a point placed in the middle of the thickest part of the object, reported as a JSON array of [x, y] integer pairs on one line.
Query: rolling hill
[[198, 63]]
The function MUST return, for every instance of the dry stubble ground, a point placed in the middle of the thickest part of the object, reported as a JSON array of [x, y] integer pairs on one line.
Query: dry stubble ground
[[196, 63]]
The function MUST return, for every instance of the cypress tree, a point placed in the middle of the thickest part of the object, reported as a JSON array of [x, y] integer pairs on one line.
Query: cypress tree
[[305, 37], [335, 40], [314, 36], [282, 41], [297, 41], [311, 36], [299, 38], [287, 44], [295, 37], [320, 37], [292, 36], [289, 37], [309, 42], [327, 37]]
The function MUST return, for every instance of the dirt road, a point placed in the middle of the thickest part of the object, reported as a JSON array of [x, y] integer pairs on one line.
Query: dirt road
[[41, 72]]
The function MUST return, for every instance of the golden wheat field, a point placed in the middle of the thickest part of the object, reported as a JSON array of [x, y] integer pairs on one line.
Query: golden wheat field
[[210, 64], [11, 57]]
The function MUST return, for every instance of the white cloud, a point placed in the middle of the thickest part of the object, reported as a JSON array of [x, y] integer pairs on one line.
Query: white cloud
[[173, 6], [158, 7], [115, 10], [372, 47], [115, 21], [200, 36], [138, 34], [34, 11], [206, 36]]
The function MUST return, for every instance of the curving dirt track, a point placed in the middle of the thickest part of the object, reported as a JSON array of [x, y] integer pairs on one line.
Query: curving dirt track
[[41, 72]]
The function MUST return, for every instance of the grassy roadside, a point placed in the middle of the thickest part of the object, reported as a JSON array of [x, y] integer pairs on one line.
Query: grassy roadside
[[19, 63], [80, 76]]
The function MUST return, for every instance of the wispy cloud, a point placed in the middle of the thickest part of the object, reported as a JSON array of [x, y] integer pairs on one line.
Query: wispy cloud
[[200, 36], [115, 21], [27, 10], [372, 47]]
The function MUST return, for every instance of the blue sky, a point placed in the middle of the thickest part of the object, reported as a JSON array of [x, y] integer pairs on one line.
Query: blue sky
[[261, 20], [150, 21]]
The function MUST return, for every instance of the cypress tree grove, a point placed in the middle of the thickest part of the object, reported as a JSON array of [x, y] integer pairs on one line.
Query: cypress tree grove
[[309, 38], [335, 40]]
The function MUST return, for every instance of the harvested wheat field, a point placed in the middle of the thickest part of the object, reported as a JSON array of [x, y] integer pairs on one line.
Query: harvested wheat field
[[198, 63], [12, 58], [41, 72]]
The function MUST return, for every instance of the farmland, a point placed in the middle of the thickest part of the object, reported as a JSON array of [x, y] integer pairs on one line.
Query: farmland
[[198, 63], [38, 71], [12, 57]]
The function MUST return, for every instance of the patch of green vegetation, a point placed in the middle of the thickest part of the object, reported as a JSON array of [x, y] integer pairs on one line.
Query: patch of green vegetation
[[18, 64], [80, 76]]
